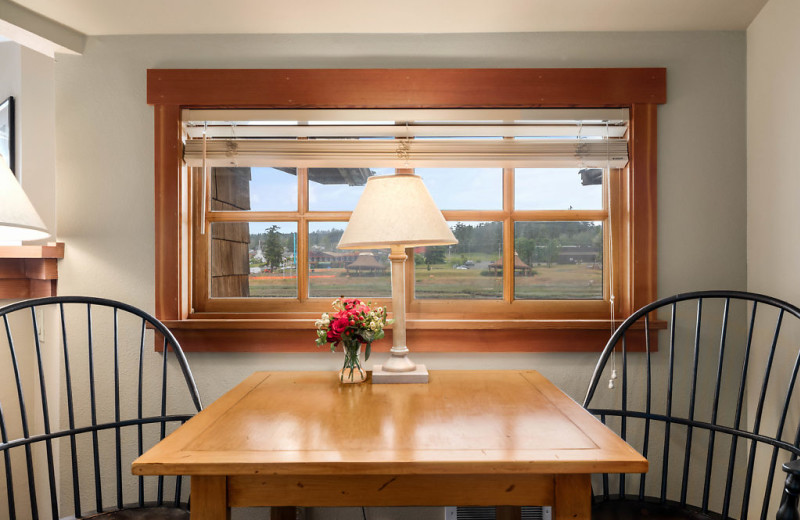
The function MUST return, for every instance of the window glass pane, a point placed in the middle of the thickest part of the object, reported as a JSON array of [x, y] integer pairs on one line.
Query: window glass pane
[[344, 272], [255, 259], [558, 188], [338, 189], [464, 188], [558, 260], [257, 189], [467, 270]]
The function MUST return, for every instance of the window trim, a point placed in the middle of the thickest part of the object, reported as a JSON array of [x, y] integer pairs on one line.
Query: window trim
[[171, 90]]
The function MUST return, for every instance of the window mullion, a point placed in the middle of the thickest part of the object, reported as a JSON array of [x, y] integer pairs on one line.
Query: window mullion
[[508, 235], [253, 216], [302, 235], [474, 215], [619, 233], [560, 215]]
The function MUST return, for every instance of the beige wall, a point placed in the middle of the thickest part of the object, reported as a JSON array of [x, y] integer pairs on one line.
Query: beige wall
[[29, 77], [105, 160], [773, 183]]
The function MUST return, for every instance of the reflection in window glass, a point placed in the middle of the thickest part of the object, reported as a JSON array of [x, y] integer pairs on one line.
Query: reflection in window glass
[[344, 272], [558, 260], [464, 188], [558, 188], [338, 189], [257, 189], [471, 269], [255, 259]]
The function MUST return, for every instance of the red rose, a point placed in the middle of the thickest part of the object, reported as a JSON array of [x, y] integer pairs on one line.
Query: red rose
[[333, 338], [339, 325], [351, 303]]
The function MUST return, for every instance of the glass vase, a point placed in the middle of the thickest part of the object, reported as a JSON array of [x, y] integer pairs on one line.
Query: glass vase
[[351, 371]]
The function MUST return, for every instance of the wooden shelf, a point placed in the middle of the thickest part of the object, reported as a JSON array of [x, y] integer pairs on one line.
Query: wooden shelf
[[29, 271]]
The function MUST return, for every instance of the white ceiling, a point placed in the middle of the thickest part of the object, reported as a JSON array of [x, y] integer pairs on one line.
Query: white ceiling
[[101, 17]]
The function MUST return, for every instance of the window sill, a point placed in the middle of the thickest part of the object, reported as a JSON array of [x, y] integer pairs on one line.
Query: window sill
[[296, 335]]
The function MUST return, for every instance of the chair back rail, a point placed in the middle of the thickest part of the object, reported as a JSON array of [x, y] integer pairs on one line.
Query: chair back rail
[[710, 400], [82, 387]]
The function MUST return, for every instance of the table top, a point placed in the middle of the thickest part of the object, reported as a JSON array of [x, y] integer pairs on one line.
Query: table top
[[461, 422]]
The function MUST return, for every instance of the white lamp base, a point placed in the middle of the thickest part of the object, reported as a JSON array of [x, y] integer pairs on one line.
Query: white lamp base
[[381, 376]]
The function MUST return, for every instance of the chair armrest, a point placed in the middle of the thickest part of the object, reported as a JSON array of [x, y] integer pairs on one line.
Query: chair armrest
[[791, 492], [793, 467]]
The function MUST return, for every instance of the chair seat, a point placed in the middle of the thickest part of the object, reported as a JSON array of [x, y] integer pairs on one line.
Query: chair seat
[[142, 513], [633, 509]]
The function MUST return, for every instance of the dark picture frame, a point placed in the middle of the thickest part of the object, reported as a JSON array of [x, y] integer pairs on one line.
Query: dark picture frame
[[7, 132]]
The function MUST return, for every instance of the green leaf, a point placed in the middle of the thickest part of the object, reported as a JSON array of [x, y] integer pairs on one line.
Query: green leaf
[[367, 351]]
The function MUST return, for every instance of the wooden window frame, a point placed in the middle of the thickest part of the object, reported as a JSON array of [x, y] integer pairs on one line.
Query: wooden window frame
[[559, 329]]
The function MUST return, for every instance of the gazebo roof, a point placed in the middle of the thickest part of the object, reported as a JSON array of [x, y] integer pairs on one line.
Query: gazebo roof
[[366, 261], [518, 263]]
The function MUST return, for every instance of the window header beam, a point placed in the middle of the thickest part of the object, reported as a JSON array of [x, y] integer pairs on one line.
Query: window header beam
[[406, 88], [453, 115]]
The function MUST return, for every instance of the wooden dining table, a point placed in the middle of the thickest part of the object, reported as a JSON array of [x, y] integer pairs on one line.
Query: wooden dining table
[[471, 438]]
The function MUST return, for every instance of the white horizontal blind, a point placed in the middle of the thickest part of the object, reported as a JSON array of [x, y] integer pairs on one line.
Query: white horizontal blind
[[547, 138], [342, 153]]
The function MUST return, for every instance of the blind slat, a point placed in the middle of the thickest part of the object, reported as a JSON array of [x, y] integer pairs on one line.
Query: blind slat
[[545, 153]]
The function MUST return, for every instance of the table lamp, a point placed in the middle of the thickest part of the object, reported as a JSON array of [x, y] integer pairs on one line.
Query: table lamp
[[397, 212], [18, 219]]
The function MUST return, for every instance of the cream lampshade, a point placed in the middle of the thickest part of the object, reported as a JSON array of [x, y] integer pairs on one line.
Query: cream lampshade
[[397, 212], [18, 218]]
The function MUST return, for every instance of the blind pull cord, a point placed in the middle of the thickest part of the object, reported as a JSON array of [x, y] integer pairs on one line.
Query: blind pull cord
[[610, 260]]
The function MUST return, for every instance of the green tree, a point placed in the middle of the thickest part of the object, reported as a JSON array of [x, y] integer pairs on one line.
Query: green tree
[[434, 255], [463, 234], [526, 248], [552, 249], [273, 250], [597, 242]]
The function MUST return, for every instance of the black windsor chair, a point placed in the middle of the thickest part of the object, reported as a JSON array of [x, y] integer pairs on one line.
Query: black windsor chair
[[713, 406], [82, 393]]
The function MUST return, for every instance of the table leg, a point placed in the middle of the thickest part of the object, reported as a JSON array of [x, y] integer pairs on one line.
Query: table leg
[[573, 497], [209, 499]]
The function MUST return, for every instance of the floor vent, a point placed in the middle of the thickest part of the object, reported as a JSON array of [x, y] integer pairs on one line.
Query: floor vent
[[487, 513]]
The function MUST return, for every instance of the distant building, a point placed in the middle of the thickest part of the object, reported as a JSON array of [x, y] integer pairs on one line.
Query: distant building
[[577, 255], [322, 259]]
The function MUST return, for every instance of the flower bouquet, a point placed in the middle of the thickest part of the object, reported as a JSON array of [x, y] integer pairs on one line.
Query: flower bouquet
[[352, 324]]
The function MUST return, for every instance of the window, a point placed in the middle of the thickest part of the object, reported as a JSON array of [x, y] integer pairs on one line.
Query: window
[[554, 209]]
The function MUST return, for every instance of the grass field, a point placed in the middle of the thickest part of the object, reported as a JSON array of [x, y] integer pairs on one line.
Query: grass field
[[558, 282]]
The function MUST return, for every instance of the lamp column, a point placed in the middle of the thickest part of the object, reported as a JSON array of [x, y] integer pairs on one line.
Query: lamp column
[[399, 362]]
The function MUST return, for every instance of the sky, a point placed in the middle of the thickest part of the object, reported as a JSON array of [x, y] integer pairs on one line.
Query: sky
[[451, 189]]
